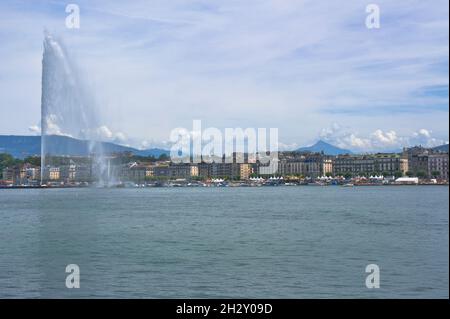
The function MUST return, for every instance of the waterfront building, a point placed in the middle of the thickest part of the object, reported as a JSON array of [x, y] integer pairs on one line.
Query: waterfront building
[[245, 170], [135, 172], [9, 175], [76, 173], [26, 174], [149, 172], [194, 170], [327, 166], [353, 165], [68, 172], [222, 170], [161, 171], [306, 164], [417, 160], [203, 170], [427, 163], [438, 166], [228, 170], [173, 171], [290, 167], [51, 173], [83, 173], [31, 174], [389, 164], [370, 164], [179, 171], [271, 168], [313, 166], [404, 165]]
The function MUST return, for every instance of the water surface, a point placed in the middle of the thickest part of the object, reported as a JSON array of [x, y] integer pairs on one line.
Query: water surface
[[267, 242]]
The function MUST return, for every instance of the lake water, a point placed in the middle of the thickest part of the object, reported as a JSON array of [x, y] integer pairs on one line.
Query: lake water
[[266, 242]]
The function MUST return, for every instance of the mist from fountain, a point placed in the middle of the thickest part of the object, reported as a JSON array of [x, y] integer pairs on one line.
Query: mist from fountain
[[69, 109]]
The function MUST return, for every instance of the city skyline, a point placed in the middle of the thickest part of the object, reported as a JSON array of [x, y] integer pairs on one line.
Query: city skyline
[[313, 72]]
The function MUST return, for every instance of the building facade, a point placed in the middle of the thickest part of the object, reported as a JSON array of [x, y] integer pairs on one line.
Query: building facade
[[438, 166], [371, 164], [427, 163]]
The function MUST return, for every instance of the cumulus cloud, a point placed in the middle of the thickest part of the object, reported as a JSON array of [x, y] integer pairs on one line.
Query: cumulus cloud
[[287, 147], [288, 63], [379, 140], [105, 134], [52, 127], [102, 133], [147, 144], [423, 132], [35, 129], [425, 137], [120, 137]]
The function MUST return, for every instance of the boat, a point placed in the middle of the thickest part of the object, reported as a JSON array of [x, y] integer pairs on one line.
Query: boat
[[348, 185]]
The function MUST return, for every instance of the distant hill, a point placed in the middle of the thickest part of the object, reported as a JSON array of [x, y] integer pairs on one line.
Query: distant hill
[[441, 148], [23, 146], [324, 147]]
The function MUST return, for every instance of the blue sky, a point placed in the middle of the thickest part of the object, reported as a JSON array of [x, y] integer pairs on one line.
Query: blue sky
[[310, 68]]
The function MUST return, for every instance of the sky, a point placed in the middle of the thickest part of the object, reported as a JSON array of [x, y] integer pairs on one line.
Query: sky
[[312, 69]]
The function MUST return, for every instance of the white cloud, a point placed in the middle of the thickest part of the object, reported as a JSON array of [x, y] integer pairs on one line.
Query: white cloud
[[35, 129], [120, 137], [52, 127], [287, 147], [379, 140], [104, 133], [385, 139], [148, 144], [423, 132], [424, 137], [295, 65]]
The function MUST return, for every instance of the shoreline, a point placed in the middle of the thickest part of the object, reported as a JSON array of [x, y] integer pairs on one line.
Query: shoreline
[[216, 186]]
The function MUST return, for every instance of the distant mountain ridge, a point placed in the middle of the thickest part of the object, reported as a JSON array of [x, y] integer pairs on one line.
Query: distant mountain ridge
[[324, 147], [441, 148], [23, 146]]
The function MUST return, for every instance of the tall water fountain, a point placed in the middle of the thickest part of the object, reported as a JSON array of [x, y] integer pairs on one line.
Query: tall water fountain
[[68, 109]]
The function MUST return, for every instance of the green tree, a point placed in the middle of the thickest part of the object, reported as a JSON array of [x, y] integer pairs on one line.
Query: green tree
[[409, 174], [163, 157], [421, 174], [6, 160], [436, 174], [348, 175], [398, 174], [33, 160]]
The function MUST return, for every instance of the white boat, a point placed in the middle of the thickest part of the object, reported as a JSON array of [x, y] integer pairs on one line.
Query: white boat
[[348, 185]]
